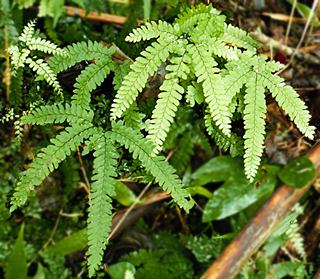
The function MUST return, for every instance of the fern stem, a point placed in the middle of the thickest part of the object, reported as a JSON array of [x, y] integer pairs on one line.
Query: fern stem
[[128, 211], [87, 185]]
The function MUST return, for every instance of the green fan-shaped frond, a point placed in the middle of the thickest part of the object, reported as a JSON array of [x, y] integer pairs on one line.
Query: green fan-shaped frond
[[150, 31], [44, 46], [102, 189], [213, 89], [163, 173], [28, 32], [18, 58], [47, 160], [89, 79], [144, 66], [78, 52], [57, 113], [238, 37], [254, 124], [289, 100], [43, 70], [232, 143]]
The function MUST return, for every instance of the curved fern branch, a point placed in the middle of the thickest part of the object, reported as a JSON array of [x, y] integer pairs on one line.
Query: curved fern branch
[[144, 66], [78, 52], [89, 79], [47, 160], [213, 89], [42, 69], [57, 113], [163, 173]]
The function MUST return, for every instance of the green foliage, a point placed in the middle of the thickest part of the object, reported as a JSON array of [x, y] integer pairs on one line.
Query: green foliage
[[191, 47], [166, 254], [199, 77], [17, 262], [29, 43], [236, 193], [298, 173], [79, 115]]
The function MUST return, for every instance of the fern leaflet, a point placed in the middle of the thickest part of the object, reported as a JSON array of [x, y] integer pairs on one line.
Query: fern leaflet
[[48, 160], [57, 113], [102, 189], [156, 165]]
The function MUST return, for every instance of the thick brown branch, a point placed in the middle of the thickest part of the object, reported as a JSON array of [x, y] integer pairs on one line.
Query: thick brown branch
[[259, 228]]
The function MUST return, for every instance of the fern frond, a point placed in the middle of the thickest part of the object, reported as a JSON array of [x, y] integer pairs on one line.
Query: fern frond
[[289, 100], [296, 239], [28, 32], [18, 58], [89, 79], [191, 16], [238, 37], [232, 143], [167, 103], [144, 66], [44, 46], [218, 48], [77, 52], [163, 173], [43, 70], [254, 114], [150, 31], [164, 112], [47, 160], [102, 189], [206, 72], [133, 118], [57, 113], [194, 94]]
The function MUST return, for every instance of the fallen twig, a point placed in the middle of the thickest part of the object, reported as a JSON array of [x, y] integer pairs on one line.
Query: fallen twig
[[289, 51], [259, 228], [100, 17]]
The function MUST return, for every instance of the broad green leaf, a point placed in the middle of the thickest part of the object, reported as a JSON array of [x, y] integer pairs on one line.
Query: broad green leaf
[[216, 170], [236, 194], [302, 9], [16, 266], [70, 244], [40, 272], [122, 270], [124, 195], [298, 172], [199, 190]]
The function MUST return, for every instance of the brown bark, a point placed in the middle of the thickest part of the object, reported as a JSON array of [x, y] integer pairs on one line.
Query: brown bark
[[100, 17], [259, 228]]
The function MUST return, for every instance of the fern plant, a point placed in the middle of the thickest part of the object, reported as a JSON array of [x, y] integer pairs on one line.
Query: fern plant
[[24, 54], [214, 63], [77, 116]]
